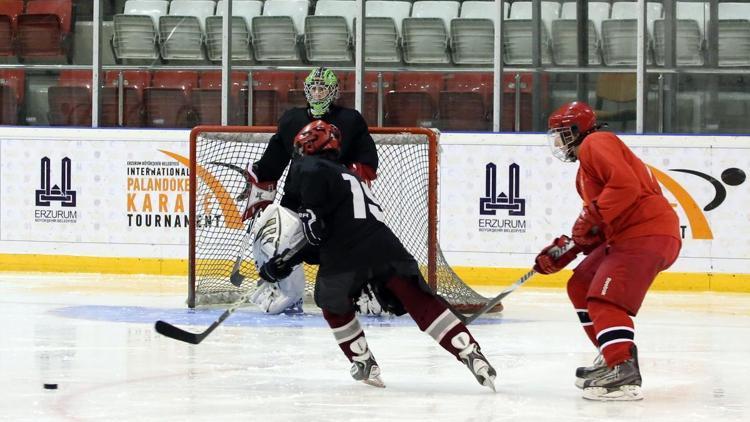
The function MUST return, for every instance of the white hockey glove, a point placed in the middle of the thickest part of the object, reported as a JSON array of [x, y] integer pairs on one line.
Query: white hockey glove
[[259, 194]]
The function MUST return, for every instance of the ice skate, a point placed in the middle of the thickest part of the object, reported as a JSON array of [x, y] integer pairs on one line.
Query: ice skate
[[621, 383], [473, 358], [365, 369], [596, 370]]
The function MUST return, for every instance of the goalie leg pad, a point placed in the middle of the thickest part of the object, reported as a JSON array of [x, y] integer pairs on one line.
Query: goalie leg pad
[[284, 296]]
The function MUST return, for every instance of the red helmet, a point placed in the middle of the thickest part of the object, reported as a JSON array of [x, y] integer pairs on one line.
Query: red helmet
[[568, 125], [576, 114], [316, 137]]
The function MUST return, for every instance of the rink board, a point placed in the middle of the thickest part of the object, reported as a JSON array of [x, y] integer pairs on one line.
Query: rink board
[[75, 200]]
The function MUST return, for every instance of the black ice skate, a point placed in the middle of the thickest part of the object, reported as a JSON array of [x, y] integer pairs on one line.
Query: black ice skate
[[596, 370], [365, 369], [621, 383], [473, 358]]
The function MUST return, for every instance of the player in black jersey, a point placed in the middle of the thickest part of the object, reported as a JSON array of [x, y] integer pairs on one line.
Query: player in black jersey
[[358, 153], [341, 216], [357, 147]]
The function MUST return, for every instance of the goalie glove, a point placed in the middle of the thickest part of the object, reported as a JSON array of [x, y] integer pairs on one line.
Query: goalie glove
[[312, 227], [546, 263], [259, 194]]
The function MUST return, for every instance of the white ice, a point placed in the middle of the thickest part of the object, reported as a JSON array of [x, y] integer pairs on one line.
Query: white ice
[[94, 337]]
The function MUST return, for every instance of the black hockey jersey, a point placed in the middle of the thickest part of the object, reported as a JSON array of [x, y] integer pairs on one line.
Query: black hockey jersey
[[357, 145], [356, 239]]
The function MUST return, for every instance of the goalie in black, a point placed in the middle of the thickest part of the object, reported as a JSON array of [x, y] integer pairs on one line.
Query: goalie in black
[[357, 153], [340, 215]]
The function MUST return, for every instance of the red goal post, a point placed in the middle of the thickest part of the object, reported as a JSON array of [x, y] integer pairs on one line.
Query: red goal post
[[406, 187]]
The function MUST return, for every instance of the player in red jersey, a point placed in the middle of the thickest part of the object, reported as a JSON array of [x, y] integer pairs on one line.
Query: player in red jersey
[[629, 233]]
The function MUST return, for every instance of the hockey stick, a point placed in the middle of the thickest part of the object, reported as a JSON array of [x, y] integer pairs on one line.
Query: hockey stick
[[468, 319], [171, 331], [236, 277]]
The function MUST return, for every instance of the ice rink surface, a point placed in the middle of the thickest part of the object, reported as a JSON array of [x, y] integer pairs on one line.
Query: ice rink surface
[[93, 336]]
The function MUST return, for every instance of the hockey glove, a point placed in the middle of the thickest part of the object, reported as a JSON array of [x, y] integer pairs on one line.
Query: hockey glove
[[275, 269], [363, 171], [259, 194], [588, 230], [545, 262], [312, 227]]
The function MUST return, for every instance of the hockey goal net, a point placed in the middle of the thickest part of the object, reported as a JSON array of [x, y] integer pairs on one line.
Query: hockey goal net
[[406, 187]]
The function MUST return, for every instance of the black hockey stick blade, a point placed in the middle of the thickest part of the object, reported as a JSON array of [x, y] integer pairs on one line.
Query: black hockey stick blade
[[236, 278], [169, 330]]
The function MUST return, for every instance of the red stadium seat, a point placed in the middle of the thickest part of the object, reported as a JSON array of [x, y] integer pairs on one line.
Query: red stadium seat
[[270, 96], [207, 98], [465, 103], [16, 79], [296, 96], [43, 30], [168, 101], [12, 87], [70, 101], [414, 101], [134, 82], [370, 106], [9, 11]]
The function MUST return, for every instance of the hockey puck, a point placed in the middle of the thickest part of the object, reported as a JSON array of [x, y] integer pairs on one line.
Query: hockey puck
[[50, 386]]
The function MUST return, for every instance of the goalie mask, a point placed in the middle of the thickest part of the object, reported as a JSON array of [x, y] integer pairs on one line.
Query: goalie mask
[[321, 90], [568, 125], [318, 137]]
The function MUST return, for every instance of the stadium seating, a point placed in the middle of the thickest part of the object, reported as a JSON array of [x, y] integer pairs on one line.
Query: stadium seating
[[136, 30], [734, 42], [413, 101], [598, 11], [697, 11], [70, 100], [626, 10], [521, 10], [270, 96], [518, 47], [12, 87], [383, 30], [619, 45], [425, 33], [327, 36], [688, 42], [242, 15], [466, 101], [370, 100], [133, 85], [9, 11], [43, 30], [565, 43], [168, 99], [473, 33], [275, 32], [207, 98], [181, 32]]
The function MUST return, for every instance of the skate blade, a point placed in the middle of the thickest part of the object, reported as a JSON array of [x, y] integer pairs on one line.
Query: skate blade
[[579, 382], [623, 393], [489, 383], [375, 382]]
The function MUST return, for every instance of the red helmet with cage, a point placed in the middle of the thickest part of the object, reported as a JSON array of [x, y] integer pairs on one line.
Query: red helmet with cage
[[317, 137], [568, 125]]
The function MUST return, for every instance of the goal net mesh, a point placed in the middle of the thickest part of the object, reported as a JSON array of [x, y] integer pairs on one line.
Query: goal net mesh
[[403, 188]]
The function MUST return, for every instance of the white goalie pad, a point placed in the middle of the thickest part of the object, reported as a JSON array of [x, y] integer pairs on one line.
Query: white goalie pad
[[277, 230], [275, 298]]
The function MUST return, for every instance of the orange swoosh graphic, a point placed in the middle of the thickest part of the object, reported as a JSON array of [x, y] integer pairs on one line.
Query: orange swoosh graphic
[[232, 216], [698, 224]]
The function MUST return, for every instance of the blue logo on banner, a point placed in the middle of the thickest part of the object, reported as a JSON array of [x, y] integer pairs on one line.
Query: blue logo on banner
[[47, 193], [492, 201]]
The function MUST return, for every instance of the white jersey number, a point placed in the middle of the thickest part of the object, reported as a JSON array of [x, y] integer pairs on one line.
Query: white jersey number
[[361, 206]]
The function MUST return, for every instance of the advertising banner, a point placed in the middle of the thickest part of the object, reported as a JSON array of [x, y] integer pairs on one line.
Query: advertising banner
[[504, 197], [121, 193]]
